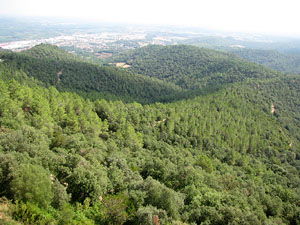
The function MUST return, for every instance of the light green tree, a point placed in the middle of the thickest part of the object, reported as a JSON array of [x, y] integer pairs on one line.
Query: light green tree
[[31, 183]]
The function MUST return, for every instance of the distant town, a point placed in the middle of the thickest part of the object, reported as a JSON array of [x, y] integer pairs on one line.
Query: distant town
[[100, 41], [101, 45]]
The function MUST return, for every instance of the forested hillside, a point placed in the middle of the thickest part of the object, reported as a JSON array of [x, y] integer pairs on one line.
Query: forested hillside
[[192, 67], [55, 67], [284, 95], [228, 157], [288, 63], [176, 72]]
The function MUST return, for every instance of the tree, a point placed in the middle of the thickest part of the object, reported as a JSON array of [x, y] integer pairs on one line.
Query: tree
[[32, 183]]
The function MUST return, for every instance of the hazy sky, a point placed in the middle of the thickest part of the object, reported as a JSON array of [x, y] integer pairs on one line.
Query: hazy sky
[[270, 16]]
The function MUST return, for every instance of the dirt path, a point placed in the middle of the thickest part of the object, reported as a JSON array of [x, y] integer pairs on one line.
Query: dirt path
[[59, 76]]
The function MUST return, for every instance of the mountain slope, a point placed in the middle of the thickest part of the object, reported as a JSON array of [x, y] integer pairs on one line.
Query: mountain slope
[[55, 67], [192, 67], [48, 51], [213, 159], [227, 157], [282, 96]]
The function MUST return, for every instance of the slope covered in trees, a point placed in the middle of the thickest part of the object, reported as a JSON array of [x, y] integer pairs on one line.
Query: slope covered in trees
[[192, 67], [283, 94], [55, 67], [49, 52], [229, 156], [220, 158]]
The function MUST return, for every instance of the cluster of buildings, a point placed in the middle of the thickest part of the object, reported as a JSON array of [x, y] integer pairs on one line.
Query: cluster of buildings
[[99, 44], [88, 42]]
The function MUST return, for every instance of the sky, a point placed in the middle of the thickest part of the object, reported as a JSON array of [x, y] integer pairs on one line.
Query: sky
[[259, 16]]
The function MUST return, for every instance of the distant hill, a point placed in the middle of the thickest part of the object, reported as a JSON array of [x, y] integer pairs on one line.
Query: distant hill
[[281, 44], [191, 67], [288, 63], [55, 67], [47, 51]]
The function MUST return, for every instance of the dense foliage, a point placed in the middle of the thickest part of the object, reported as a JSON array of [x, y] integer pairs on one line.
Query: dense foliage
[[229, 156]]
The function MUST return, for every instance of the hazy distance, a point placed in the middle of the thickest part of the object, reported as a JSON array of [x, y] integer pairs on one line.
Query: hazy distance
[[267, 16]]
